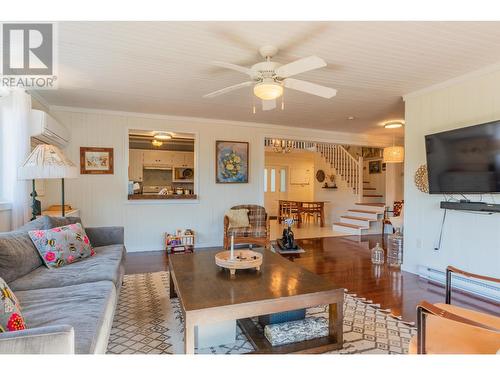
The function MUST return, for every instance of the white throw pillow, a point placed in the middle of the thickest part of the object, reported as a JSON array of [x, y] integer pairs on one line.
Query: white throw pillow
[[238, 218]]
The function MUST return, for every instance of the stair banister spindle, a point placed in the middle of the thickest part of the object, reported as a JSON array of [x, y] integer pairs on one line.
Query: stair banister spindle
[[343, 163]]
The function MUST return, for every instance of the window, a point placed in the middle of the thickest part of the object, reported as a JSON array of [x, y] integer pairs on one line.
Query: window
[[273, 180], [265, 180], [283, 180]]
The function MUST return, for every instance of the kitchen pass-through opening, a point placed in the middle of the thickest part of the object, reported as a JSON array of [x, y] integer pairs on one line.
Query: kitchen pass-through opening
[[161, 165]]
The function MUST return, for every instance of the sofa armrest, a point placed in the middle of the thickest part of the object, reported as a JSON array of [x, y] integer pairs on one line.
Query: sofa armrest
[[59, 339], [103, 236]]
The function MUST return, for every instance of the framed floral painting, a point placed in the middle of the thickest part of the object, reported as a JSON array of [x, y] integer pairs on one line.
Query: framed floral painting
[[96, 160], [231, 162]]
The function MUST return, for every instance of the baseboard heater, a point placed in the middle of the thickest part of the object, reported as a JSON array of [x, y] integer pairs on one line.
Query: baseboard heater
[[481, 288]]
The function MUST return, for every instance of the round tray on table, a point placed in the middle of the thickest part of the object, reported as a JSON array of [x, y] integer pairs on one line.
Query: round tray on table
[[243, 259]]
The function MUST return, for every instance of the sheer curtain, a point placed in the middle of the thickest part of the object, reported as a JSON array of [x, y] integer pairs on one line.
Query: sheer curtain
[[14, 148]]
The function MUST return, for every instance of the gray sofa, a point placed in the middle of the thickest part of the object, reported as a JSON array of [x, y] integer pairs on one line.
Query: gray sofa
[[66, 310]]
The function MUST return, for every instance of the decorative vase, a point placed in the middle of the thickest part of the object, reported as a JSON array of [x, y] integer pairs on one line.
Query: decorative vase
[[395, 249], [377, 254]]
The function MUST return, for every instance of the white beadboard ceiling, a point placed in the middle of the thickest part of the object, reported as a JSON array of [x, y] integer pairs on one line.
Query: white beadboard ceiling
[[164, 67]]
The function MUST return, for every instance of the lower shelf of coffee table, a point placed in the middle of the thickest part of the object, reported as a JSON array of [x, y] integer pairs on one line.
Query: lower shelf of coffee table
[[262, 346]]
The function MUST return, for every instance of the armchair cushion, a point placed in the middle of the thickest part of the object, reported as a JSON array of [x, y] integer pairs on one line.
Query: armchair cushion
[[238, 218], [257, 215]]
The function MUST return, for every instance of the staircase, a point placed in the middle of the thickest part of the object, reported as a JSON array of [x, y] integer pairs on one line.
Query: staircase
[[363, 218]]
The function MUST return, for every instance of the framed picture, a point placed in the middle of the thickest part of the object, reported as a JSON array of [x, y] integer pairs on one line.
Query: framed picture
[[96, 160], [375, 166], [231, 162], [371, 152]]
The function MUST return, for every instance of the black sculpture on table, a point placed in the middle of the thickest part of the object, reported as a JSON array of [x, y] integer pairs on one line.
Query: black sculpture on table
[[287, 242]]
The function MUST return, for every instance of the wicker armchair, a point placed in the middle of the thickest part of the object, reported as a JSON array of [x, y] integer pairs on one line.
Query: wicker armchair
[[447, 329], [258, 233]]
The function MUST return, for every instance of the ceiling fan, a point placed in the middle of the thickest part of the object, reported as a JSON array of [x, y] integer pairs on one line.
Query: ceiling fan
[[269, 78]]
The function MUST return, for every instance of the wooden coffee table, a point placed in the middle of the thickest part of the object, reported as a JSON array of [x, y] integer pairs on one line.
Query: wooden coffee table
[[209, 295]]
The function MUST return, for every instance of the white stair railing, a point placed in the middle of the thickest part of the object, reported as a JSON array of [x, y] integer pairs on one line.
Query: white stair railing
[[346, 165]]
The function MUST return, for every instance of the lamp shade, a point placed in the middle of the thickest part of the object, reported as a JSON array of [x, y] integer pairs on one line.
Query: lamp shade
[[394, 154], [47, 161]]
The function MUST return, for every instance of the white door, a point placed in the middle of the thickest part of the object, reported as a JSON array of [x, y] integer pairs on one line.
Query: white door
[[275, 187]]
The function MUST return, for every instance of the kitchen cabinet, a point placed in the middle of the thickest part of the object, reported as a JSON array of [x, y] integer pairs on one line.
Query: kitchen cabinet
[[154, 158], [136, 160], [184, 159], [157, 158], [189, 160]]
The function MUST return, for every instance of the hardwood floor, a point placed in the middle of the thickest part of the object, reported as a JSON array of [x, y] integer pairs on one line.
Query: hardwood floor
[[346, 262]]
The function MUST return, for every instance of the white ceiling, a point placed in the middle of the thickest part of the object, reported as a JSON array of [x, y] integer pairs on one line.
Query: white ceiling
[[164, 67]]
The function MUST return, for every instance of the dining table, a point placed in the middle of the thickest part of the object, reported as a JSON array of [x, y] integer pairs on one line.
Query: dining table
[[297, 209]]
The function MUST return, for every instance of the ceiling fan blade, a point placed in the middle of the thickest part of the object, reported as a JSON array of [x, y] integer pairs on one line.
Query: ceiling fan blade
[[238, 68], [300, 66], [267, 105], [228, 89], [310, 88]]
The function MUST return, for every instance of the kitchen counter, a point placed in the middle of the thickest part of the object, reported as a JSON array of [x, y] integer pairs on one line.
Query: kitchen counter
[[162, 197]]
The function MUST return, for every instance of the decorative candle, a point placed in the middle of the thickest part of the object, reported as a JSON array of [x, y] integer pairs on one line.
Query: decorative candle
[[232, 246]]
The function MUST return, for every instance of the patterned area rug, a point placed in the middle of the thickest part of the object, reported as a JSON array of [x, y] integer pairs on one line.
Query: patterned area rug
[[148, 322]]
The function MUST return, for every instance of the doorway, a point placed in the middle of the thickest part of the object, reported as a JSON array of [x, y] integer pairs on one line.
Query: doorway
[[275, 187]]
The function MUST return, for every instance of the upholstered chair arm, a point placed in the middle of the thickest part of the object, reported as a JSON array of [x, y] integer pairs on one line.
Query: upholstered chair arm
[[226, 225], [424, 308], [451, 270], [103, 236], [58, 339], [226, 237]]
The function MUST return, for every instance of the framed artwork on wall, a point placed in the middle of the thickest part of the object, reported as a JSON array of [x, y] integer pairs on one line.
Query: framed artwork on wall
[[371, 152], [231, 162], [96, 160], [375, 166]]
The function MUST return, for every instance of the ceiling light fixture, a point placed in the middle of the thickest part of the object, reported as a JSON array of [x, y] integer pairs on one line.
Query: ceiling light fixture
[[350, 117], [394, 154], [268, 89], [393, 124], [282, 146], [162, 136], [156, 143]]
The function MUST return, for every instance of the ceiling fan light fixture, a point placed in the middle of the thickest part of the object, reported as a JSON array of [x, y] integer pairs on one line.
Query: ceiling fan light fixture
[[162, 136], [268, 90]]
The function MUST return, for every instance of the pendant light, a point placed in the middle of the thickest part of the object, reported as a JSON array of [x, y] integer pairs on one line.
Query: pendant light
[[394, 154]]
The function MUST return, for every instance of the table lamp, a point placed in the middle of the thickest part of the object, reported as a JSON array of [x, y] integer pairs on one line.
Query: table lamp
[[44, 162]]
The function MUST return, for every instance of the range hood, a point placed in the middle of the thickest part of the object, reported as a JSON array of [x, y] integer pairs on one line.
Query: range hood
[[158, 167]]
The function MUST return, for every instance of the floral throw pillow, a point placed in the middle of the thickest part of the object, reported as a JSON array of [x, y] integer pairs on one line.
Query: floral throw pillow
[[62, 245], [11, 318]]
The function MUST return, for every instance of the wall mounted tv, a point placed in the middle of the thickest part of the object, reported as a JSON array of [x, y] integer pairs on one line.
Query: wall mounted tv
[[465, 160]]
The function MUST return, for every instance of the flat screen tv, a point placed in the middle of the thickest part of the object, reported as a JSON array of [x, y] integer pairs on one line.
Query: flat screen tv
[[465, 160]]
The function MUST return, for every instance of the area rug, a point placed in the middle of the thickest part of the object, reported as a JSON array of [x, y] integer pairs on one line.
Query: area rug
[[147, 321]]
